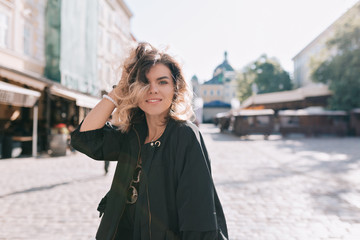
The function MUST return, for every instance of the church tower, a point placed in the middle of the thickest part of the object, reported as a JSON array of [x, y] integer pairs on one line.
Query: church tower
[[218, 92]]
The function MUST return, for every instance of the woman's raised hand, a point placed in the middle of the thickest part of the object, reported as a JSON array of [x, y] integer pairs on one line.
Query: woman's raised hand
[[98, 116]]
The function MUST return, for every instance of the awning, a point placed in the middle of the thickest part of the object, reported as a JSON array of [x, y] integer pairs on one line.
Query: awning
[[23, 78], [311, 111], [17, 96], [217, 104], [252, 112], [299, 94], [81, 99], [356, 110]]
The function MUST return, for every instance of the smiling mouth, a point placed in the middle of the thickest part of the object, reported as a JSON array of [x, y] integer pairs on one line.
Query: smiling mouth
[[153, 100]]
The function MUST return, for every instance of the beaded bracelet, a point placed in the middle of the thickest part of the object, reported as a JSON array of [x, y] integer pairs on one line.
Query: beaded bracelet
[[110, 99]]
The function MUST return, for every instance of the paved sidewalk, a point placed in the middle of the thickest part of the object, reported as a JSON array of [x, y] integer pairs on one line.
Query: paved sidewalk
[[51, 198], [297, 188]]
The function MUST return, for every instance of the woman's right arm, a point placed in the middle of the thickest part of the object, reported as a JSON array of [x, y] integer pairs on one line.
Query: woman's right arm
[[97, 139], [98, 116]]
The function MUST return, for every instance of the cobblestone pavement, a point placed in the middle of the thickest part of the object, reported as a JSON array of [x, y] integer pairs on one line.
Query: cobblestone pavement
[[294, 188]]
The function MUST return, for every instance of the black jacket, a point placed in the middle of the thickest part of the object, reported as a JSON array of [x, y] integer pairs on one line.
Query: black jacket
[[177, 197]]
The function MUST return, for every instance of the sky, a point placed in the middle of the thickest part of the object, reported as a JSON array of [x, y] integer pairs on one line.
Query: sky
[[198, 32]]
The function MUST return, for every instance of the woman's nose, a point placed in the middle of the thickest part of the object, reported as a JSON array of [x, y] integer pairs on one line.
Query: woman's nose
[[153, 89]]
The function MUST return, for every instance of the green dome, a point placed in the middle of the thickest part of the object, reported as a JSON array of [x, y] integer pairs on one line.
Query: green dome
[[223, 67]]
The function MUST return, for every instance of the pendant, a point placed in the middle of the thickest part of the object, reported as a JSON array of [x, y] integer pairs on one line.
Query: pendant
[[155, 144]]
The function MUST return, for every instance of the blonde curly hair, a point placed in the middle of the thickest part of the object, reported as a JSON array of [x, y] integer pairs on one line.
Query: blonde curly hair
[[134, 84]]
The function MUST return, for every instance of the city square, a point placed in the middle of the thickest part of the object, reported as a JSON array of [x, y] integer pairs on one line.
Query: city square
[[280, 188], [272, 85]]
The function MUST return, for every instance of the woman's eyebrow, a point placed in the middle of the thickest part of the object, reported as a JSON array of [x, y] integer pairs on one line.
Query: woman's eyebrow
[[163, 77]]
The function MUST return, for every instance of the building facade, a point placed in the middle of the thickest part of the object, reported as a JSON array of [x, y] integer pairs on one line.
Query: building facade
[[114, 41], [85, 56], [22, 62], [306, 93], [22, 35], [222, 86], [218, 92], [49, 65], [304, 60]]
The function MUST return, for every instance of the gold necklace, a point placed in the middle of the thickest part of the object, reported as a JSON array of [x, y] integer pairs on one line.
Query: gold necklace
[[156, 143]]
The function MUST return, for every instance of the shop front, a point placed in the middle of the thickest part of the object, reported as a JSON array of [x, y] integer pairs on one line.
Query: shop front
[[17, 126], [31, 104], [67, 108]]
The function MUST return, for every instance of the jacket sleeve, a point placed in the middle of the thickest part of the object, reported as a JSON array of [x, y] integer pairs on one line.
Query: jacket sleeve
[[105, 143], [195, 190]]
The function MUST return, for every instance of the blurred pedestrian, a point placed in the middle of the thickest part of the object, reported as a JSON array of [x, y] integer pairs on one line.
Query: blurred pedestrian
[[71, 128], [107, 163], [162, 187], [106, 166]]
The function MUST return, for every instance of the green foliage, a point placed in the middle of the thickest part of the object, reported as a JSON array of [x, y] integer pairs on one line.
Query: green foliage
[[341, 71], [268, 76], [244, 86]]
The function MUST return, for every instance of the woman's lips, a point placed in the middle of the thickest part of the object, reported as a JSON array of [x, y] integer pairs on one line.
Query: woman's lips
[[153, 100]]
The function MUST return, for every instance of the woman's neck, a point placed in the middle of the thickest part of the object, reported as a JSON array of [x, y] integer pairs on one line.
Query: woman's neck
[[156, 127]]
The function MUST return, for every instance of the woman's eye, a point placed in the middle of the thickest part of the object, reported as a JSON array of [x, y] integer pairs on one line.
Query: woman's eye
[[163, 82]]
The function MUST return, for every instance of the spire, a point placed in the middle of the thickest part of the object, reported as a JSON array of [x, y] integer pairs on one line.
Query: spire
[[225, 54], [194, 79]]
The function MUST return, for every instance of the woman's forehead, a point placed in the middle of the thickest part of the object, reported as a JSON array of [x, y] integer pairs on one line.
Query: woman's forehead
[[158, 70]]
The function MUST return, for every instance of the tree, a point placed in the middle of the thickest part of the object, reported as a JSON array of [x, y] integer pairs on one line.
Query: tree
[[341, 71], [267, 74], [244, 82]]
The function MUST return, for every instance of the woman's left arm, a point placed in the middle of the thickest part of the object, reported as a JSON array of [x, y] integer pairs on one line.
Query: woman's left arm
[[195, 192]]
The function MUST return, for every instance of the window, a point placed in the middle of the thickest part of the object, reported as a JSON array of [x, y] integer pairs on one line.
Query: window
[[116, 49], [4, 30], [121, 21], [262, 120], [100, 35], [109, 43], [250, 120], [110, 18], [118, 20], [101, 11], [204, 92], [289, 121], [100, 78], [28, 39], [211, 92], [110, 75], [218, 93]]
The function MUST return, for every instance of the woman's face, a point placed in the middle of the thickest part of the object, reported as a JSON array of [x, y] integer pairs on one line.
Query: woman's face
[[157, 100]]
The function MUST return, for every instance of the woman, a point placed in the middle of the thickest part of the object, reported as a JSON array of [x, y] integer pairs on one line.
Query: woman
[[162, 187]]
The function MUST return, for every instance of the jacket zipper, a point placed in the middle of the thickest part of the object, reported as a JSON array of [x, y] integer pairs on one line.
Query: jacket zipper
[[117, 226], [147, 193], [137, 134], [147, 190]]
